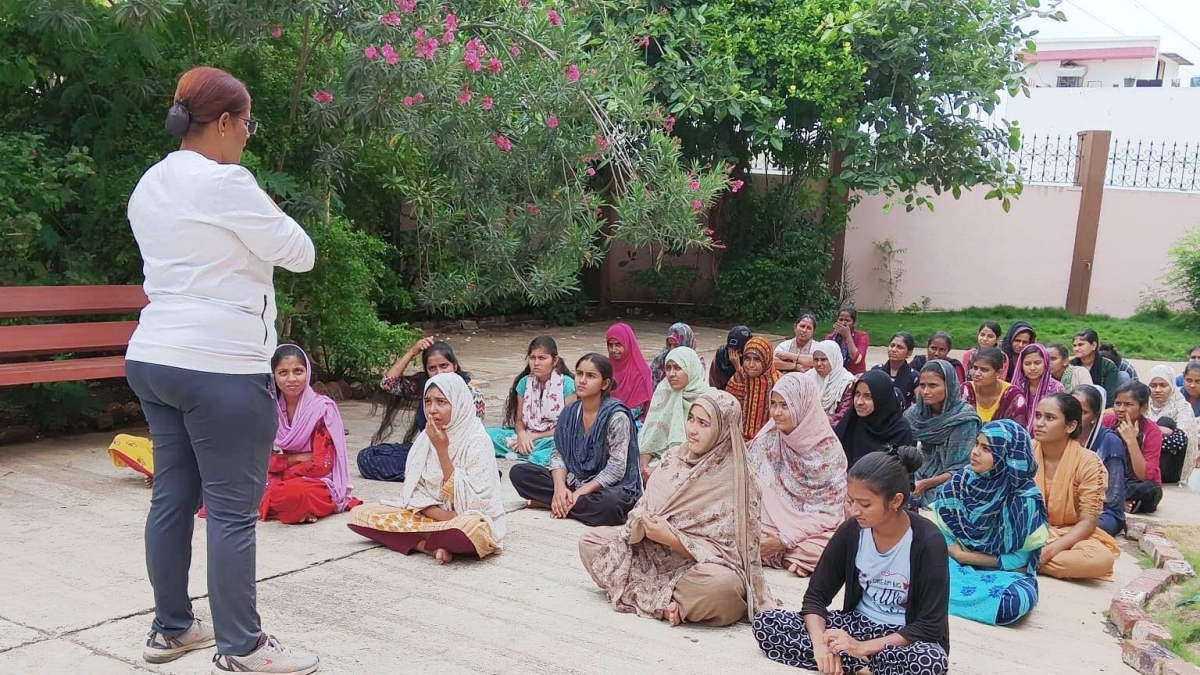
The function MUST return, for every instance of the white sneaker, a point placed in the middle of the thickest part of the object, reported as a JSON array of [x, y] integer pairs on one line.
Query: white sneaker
[[271, 658], [164, 649]]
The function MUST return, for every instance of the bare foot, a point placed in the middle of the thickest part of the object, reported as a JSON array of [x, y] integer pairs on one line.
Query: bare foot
[[149, 481], [796, 569], [531, 504], [442, 556], [671, 614], [309, 519]]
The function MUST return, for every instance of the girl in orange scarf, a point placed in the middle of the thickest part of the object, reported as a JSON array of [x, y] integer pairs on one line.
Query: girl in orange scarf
[[751, 386]]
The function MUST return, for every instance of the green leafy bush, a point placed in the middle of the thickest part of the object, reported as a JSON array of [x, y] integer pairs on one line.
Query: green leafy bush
[[58, 406], [669, 283], [776, 259], [1184, 274], [332, 310]]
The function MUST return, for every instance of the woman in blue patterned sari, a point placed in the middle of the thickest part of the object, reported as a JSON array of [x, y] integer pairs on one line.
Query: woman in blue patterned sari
[[994, 519]]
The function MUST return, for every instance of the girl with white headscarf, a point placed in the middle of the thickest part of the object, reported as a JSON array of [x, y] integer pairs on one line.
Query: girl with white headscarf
[[451, 501], [1167, 401], [832, 380]]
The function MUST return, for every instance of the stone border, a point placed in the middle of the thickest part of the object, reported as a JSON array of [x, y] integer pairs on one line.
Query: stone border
[[1142, 648]]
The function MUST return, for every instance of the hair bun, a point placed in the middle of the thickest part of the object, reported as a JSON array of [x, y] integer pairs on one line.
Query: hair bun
[[911, 457], [179, 118]]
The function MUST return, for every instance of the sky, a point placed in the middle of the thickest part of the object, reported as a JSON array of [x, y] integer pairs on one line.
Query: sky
[[1176, 22]]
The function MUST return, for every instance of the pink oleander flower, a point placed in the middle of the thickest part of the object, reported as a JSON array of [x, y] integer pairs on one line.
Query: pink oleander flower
[[389, 54], [419, 34], [573, 73], [371, 53], [474, 46], [533, 210], [503, 143], [427, 49], [277, 32], [602, 141], [495, 65], [488, 103], [465, 96], [420, 97], [448, 37], [710, 233], [524, 4], [552, 122], [409, 102], [698, 205], [323, 97], [591, 171], [555, 19], [451, 22], [645, 42], [694, 184], [472, 62], [390, 19], [515, 50], [407, 6], [736, 185], [669, 125]]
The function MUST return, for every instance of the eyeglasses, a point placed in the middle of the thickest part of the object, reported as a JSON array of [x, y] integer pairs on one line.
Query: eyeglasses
[[251, 125]]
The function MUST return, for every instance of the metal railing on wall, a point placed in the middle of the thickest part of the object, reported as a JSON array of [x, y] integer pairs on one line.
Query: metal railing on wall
[[1156, 165], [1046, 159]]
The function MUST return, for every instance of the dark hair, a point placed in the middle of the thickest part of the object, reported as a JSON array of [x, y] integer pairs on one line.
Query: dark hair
[[807, 315], [1168, 422], [992, 326], [888, 472], [1060, 348], [1071, 409], [1193, 349], [991, 356], [907, 338], [1138, 390], [849, 309], [202, 96], [606, 371], [1094, 400], [1109, 351], [284, 351], [392, 403], [546, 344], [1191, 365], [941, 335], [1088, 335]]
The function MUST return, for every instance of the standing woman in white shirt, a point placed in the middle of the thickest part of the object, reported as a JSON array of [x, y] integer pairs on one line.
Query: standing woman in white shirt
[[210, 240]]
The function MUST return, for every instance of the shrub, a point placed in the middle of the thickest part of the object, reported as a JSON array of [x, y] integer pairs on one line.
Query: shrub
[[58, 406], [777, 258], [670, 283], [1184, 274]]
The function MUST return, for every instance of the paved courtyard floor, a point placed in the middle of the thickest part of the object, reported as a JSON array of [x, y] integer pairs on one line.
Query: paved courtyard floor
[[74, 596]]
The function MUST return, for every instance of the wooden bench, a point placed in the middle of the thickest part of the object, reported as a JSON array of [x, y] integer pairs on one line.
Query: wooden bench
[[23, 341]]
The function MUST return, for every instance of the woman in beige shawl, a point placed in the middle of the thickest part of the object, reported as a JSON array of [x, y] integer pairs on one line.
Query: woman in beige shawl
[[801, 467], [1167, 401], [689, 550], [451, 501]]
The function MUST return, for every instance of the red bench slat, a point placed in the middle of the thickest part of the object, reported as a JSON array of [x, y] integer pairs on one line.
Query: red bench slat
[[62, 371], [59, 338], [23, 301]]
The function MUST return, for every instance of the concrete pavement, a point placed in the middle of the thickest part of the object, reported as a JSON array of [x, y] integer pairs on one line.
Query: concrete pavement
[[75, 598]]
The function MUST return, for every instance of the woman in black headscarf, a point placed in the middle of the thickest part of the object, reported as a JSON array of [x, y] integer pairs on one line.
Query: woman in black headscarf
[[726, 365], [876, 420], [1020, 335]]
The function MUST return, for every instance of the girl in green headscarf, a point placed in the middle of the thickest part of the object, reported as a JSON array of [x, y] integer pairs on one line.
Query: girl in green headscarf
[[665, 425]]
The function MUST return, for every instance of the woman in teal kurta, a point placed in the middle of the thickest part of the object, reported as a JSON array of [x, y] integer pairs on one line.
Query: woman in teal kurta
[[994, 519]]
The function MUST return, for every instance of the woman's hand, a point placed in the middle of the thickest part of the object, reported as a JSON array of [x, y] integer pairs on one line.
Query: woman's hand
[[1128, 433], [842, 328], [840, 641], [420, 346], [563, 502], [920, 487], [829, 662], [1050, 550], [771, 545], [657, 529], [524, 445], [956, 550], [438, 437]]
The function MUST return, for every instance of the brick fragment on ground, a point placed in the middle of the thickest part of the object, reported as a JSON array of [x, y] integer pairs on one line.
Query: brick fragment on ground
[[1145, 657]]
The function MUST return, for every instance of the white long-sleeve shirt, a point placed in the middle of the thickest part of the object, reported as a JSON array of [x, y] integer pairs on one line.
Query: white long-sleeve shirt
[[210, 240]]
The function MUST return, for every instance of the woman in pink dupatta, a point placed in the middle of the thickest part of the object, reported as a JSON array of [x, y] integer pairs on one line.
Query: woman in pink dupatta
[[635, 382], [1032, 377], [308, 477], [801, 467]]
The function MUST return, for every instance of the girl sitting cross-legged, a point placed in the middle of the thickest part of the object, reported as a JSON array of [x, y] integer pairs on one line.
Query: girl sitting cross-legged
[[594, 475], [893, 568], [538, 396]]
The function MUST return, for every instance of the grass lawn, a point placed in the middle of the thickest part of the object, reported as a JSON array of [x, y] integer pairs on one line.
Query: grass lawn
[[1143, 337]]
